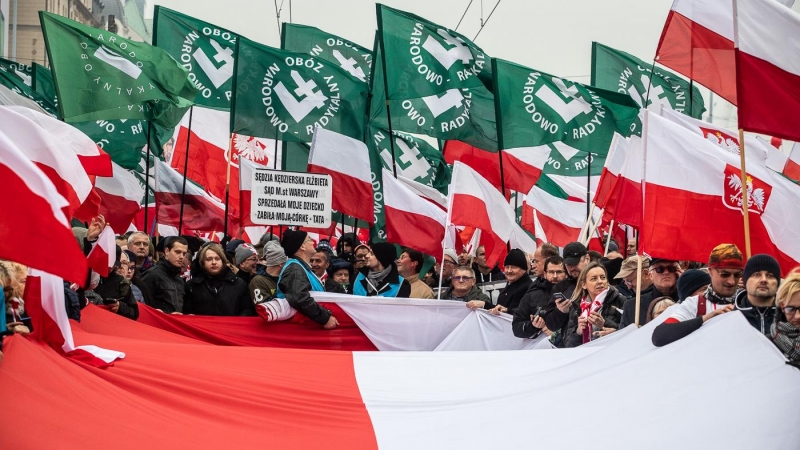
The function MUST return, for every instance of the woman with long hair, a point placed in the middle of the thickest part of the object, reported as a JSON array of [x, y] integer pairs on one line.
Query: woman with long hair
[[214, 289], [595, 308]]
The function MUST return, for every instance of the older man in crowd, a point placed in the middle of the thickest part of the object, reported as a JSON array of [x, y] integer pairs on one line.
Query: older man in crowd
[[464, 288]]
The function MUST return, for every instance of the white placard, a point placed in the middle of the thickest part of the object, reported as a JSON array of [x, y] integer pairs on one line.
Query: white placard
[[291, 198]]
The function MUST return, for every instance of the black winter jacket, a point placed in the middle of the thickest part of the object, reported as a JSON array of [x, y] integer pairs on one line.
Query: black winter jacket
[[760, 318], [609, 311], [512, 294], [224, 295], [648, 295], [537, 297], [117, 287], [554, 319], [165, 286]]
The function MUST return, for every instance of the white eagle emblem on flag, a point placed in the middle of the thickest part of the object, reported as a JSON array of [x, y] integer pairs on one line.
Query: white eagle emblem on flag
[[250, 148], [757, 192]]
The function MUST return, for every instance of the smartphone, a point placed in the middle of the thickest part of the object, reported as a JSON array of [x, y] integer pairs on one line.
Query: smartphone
[[559, 297]]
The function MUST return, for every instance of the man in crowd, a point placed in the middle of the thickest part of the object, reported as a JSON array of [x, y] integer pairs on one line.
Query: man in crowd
[[692, 282], [725, 265], [762, 277], [664, 275], [297, 281], [484, 273], [139, 243], [629, 274], [319, 264], [464, 288], [576, 257], [449, 265], [542, 253], [340, 272], [464, 259], [360, 253], [265, 283], [380, 277], [528, 318], [246, 260], [163, 281], [121, 241], [409, 265]]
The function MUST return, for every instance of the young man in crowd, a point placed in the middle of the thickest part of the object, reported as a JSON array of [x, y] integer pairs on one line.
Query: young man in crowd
[[529, 317], [484, 273], [164, 281], [576, 257], [409, 265], [246, 260], [265, 283]]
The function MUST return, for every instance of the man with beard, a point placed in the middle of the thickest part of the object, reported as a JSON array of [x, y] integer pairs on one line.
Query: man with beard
[[528, 318], [725, 266], [762, 277], [576, 257]]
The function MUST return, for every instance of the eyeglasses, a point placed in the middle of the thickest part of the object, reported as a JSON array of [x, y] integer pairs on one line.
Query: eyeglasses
[[790, 310], [462, 278], [662, 269], [447, 261], [729, 274]]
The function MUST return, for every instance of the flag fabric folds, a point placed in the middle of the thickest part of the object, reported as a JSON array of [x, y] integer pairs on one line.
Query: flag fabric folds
[[120, 197], [103, 254], [353, 58], [100, 75], [201, 212], [412, 221]]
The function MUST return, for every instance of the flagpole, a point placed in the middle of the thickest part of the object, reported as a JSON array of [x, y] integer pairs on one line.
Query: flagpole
[[638, 287], [638, 234], [228, 185], [745, 196], [608, 238], [147, 178], [386, 94], [185, 168], [589, 187], [447, 227]]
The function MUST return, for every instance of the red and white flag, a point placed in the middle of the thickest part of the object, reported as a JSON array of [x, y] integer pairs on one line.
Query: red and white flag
[[120, 197], [428, 193], [768, 68], [611, 170], [41, 147], [104, 253], [412, 221], [688, 214], [697, 42], [474, 202], [201, 212], [44, 300], [93, 159], [553, 218], [34, 223], [346, 160], [522, 167], [626, 206]]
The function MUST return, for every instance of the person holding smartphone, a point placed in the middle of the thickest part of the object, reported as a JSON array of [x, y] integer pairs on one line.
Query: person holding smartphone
[[115, 292], [576, 258]]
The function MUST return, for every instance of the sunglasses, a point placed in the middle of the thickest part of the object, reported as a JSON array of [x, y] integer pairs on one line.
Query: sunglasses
[[462, 278], [662, 269], [729, 274]]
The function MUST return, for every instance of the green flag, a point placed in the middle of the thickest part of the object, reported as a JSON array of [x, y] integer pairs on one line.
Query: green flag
[[17, 71], [20, 79], [618, 71], [415, 159], [284, 95], [43, 84], [99, 75], [535, 108], [135, 20], [353, 58], [203, 49], [123, 140], [424, 58], [567, 161], [294, 157], [465, 114]]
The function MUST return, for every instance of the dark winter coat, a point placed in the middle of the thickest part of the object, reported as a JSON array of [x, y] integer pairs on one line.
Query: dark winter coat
[[224, 295], [474, 294], [512, 294], [610, 312], [165, 286], [534, 302], [119, 288]]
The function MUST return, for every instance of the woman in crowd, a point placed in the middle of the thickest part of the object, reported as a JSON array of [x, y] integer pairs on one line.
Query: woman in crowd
[[214, 289], [595, 308], [786, 328], [658, 306], [17, 320], [131, 272], [115, 291]]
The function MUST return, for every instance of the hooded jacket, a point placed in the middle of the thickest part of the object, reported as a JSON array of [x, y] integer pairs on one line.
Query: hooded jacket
[[761, 318]]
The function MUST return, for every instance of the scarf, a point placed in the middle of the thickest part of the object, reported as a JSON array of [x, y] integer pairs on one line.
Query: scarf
[[713, 297], [787, 338], [375, 278], [588, 307]]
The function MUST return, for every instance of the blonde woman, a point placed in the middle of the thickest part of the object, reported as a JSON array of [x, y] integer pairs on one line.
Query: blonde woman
[[17, 321], [785, 330], [595, 308]]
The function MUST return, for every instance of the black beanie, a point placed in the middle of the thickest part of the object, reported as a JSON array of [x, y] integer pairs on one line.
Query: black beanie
[[292, 241], [517, 257], [385, 252], [760, 262], [690, 281]]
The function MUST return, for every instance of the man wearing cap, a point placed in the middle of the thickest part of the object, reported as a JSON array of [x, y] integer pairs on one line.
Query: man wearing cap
[[629, 276], [725, 266], [265, 282], [663, 274], [762, 277], [576, 257], [266, 237], [297, 281], [692, 282], [246, 259], [449, 265], [340, 271], [380, 277], [529, 317], [409, 265]]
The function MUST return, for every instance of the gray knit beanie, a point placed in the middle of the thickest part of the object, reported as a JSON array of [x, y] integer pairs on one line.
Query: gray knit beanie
[[274, 254]]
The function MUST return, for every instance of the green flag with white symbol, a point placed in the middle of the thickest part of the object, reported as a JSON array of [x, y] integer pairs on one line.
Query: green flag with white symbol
[[284, 95], [415, 158], [122, 139], [535, 108], [100, 75], [202, 48], [43, 84], [19, 72], [353, 58], [424, 58], [465, 114], [20, 79], [567, 161], [619, 71]]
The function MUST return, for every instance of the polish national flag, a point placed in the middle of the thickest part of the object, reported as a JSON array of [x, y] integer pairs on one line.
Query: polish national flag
[[93, 159], [44, 300], [768, 68], [625, 204], [104, 253], [611, 170], [428, 193], [201, 212], [552, 216], [686, 216], [697, 42], [34, 223], [522, 167], [42, 148], [412, 221], [120, 197], [346, 160], [792, 166], [474, 202]]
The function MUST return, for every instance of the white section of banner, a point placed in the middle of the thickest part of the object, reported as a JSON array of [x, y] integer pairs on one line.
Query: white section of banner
[[482, 330]]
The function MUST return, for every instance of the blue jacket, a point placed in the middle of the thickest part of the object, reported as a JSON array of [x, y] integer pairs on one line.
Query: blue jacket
[[392, 286]]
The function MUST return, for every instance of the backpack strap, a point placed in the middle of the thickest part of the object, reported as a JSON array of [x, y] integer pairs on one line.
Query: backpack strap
[[701, 305]]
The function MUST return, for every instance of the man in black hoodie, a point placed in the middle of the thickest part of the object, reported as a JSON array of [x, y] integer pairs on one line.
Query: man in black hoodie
[[528, 318]]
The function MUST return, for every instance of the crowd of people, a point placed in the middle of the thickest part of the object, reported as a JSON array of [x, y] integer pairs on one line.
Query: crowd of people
[[572, 296]]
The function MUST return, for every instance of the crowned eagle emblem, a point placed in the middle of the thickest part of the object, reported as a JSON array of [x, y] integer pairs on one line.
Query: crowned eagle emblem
[[757, 192]]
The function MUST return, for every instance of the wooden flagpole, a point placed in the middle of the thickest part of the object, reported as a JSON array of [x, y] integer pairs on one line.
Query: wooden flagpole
[[745, 196], [228, 185], [185, 168]]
